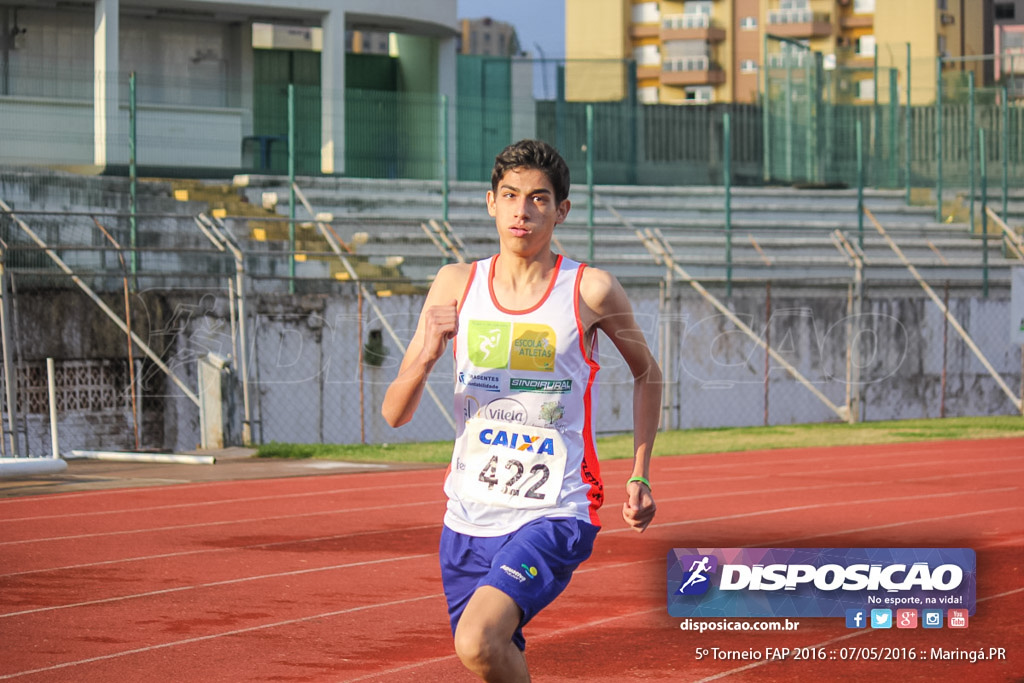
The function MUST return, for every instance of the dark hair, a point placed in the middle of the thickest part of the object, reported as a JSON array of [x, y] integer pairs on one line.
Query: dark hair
[[537, 155]]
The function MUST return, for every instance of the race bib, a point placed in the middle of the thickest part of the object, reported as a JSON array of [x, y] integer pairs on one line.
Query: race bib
[[510, 465]]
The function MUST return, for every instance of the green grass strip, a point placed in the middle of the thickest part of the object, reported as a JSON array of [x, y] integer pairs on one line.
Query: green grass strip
[[693, 441]]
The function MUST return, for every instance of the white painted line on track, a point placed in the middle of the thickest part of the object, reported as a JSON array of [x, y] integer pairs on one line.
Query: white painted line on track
[[202, 525], [212, 584], [206, 551], [543, 636], [885, 468], [778, 542], [214, 636], [818, 506], [759, 457], [833, 486], [224, 501]]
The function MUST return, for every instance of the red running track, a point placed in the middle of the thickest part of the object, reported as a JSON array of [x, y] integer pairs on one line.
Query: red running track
[[335, 578]]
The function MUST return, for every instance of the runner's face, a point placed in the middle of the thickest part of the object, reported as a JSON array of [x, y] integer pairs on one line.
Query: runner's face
[[525, 210]]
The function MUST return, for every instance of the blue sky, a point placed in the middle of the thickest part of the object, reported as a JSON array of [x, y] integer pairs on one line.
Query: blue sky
[[537, 21]]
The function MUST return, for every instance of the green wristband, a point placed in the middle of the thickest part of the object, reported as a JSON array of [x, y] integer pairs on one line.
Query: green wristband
[[642, 480]]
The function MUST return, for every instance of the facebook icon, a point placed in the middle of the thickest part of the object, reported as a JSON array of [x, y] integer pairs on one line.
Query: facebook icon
[[856, 618]]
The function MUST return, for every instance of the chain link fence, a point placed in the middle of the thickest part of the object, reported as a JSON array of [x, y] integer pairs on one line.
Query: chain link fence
[[311, 365]]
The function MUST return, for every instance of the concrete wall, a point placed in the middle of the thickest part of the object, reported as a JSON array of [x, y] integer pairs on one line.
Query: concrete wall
[[306, 384]]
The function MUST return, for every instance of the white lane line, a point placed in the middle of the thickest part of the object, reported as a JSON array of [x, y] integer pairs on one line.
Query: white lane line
[[214, 636], [206, 551], [826, 643], [201, 525], [211, 584], [689, 482], [834, 486], [223, 501], [818, 506], [543, 636], [227, 501], [374, 606], [832, 454], [778, 542]]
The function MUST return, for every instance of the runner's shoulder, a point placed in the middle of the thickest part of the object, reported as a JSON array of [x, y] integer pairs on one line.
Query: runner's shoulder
[[451, 279]]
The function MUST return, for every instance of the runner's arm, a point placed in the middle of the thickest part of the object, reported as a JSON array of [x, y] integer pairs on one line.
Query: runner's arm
[[438, 322], [609, 309]]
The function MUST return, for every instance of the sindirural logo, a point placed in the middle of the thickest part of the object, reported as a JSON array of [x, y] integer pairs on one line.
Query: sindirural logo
[[541, 386], [817, 581]]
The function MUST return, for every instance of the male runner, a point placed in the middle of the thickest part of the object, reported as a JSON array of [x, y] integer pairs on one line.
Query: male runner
[[524, 484]]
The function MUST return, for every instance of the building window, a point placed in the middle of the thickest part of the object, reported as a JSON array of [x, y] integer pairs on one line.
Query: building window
[[646, 13], [863, 6], [1005, 11], [866, 46], [866, 89], [647, 55], [943, 5], [748, 23], [748, 66], [648, 95], [700, 95]]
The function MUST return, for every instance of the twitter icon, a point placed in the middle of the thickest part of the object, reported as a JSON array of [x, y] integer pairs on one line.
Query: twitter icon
[[881, 618]]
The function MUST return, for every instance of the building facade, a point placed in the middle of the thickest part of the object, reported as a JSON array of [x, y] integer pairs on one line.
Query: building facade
[[64, 66], [703, 51]]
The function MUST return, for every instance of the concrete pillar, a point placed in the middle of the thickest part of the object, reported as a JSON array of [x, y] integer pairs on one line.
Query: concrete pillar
[[110, 145], [446, 85], [332, 94]]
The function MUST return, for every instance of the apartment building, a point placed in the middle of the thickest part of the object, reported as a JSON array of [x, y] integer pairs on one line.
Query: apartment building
[[703, 51], [489, 37]]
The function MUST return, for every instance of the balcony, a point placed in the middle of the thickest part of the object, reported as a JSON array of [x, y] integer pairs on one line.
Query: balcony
[[799, 23], [638, 31], [792, 60], [690, 27], [691, 71]]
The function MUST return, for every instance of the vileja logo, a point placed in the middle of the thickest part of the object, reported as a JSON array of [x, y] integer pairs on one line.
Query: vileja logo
[[695, 580]]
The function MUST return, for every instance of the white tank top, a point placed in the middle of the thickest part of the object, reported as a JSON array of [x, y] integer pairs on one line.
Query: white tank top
[[525, 397]]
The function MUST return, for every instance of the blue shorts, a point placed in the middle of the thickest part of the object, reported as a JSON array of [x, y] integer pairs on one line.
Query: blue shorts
[[532, 565]]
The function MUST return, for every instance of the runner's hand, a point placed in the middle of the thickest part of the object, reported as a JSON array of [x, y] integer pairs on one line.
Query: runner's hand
[[639, 509], [442, 324]]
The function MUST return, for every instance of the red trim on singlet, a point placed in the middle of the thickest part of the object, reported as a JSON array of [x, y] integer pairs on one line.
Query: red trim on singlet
[[590, 470], [531, 309]]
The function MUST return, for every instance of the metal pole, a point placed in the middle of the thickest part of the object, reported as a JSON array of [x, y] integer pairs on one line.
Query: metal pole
[[907, 129], [860, 184], [984, 214], [789, 119], [810, 141], [938, 139], [727, 182], [10, 381], [766, 151], [876, 120], [132, 177], [445, 189], [767, 345], [51, 390], [894, 108], [970, 127], [590, 183], [243, 350], [291, 188], [1006, 149]]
